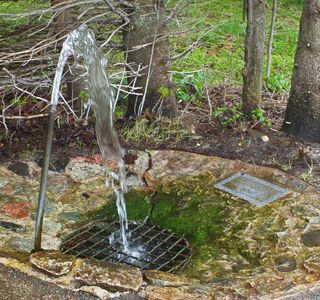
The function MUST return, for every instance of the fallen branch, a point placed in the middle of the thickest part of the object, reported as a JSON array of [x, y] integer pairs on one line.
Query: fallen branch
[[24, 117]]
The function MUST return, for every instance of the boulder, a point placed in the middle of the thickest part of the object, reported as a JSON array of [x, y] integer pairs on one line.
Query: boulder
[[52, 262], [108, 275]]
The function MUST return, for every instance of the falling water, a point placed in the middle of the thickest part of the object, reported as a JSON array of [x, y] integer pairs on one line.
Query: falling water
[[81, 44]]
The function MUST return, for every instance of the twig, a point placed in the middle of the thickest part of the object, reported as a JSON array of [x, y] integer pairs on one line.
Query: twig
[[209, 100], [24, 117], [118, 11], [179, 6]]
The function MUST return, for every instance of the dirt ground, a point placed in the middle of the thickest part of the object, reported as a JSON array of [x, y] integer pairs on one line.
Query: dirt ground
[[248, 142]]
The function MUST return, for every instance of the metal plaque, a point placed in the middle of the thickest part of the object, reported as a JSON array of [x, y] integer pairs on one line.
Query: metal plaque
[[252, 189]]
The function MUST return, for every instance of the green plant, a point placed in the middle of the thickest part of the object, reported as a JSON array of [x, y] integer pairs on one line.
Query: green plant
[[228, 115], [163, 91], [189, 87], [118, 112], [84, 96], [308, 174], [287, 167], [278, 82], [20, 101], [258, 115]]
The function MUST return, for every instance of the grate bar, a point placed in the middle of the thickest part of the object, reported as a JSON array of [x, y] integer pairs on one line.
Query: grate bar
[[96, 234], [150, 246]]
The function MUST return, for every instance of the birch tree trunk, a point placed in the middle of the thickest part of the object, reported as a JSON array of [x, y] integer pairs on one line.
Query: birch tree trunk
[[253, 58], [302, 117]]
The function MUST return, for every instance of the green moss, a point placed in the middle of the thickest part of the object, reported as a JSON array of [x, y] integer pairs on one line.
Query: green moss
[[226, 234], [137, 203]]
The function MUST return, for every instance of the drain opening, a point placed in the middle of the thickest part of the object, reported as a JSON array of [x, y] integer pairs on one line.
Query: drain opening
[[150, 247]]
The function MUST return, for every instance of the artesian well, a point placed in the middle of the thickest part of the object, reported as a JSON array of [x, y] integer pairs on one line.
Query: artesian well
[[237, 248]]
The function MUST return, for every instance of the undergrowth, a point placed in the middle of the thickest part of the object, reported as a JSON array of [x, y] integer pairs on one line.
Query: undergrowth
[[157, 131], [220, 29], [216, 30]]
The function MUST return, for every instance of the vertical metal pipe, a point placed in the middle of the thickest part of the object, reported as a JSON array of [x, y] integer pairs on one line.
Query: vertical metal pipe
[[44, 179]]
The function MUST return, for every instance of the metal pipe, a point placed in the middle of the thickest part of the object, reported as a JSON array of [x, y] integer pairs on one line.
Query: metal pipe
[[44, 179]]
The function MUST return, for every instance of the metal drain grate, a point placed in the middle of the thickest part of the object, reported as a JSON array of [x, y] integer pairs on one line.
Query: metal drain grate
[[150, 247], [252, 189]]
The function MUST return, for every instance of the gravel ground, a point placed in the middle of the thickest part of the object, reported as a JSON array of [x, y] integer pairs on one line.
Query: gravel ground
[[15, 285]]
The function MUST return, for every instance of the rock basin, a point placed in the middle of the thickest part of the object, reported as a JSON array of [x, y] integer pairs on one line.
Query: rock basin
[[239, 250]]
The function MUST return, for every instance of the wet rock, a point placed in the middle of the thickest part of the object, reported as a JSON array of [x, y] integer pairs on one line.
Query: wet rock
[[140, 163], [222, 281], [99, 292], [311, 238], [57, 165], [3, 182], [52, 262], [11, 226], [237, 165], [9, 253], [133, 179], [70, 216], [58, 183], [17, 210], [165, 279], [106, 295], [165, 293], [21, 244], [20, 168], [285, 264], [300, 185], [312, 264], [83, 171], [108, 275]]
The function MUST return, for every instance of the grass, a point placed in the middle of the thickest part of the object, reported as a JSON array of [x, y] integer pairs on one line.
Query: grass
[[155, 131], [15, 7], [221, 30]]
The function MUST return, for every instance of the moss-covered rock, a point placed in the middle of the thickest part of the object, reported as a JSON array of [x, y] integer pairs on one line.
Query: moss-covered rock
[[52, 262]]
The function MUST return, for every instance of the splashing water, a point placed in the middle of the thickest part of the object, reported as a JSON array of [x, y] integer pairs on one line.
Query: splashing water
[[81, 44]]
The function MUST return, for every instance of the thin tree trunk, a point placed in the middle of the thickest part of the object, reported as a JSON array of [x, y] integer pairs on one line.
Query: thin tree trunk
[[253, 60], [148, 49], [302, 117], [273, 22], [244, 9], [75, 83], [62, 20]]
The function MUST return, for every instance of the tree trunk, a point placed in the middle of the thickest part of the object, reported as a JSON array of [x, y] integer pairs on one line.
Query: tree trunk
[[148, 49], [303, 110], [62, 23], [253, 59], [270, 43], [62, 20]]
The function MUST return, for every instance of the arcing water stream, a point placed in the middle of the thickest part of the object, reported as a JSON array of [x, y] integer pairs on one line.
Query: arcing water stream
[[81, 44]]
